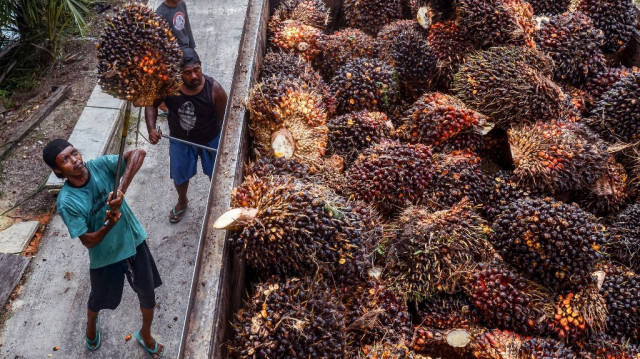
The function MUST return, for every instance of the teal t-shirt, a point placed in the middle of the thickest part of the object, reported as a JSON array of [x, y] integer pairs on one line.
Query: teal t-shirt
[[83, 210]]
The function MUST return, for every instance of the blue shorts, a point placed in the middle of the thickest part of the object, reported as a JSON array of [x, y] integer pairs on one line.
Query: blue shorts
[[184, 160]]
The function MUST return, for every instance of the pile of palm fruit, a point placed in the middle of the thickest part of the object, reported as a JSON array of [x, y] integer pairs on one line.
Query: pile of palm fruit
[[442, 179]]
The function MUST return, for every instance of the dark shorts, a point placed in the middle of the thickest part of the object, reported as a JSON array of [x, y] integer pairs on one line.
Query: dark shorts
[[107, 282], [184, 160]]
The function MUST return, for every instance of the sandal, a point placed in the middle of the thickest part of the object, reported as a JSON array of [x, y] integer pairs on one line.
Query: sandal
[[95, 343], [175, 217], [150, 352]]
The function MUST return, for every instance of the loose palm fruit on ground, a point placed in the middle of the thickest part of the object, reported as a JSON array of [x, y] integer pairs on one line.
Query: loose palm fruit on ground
[[430, 252], [579, 314], [300, 228], [435, 118], [450, 44], [549, 7], [457, 175], [616, 18], [496, 344], [609, 193], [549, 241], [305, 40], [282, 64], [621, 290], [507, 300], [538, 348], [354, 132], [365, 84], [309, 12], [510, 85], [497, 22], [617, 112], [371, 15], [555, 157], [295, 318], [343, 46], [624, 237], [574, 45], [385, 350], [138, 56]]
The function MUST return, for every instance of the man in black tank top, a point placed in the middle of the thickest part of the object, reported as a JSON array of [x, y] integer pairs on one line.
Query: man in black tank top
[[195, 115]]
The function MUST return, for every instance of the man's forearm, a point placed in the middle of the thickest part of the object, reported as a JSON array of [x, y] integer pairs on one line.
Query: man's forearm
[[92, 239], [134, 160], [151, 116]]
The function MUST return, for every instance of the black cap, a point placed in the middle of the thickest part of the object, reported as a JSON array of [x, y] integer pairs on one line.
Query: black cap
[[189, 57], [52, 150]]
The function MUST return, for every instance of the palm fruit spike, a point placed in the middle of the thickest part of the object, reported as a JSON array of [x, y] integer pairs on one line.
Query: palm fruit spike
[[579, 314], [556, 243], [365, 84], [621, 290], [624, 237], [138, 56], [284, 63], [549, 7], [496, 344], [354, 132], [510, 85], [431, 252], [435, 118], [343, 46], [457, 175], [371, 15], [305, 40], [497, 22], [309, 12], [298, 228], [507, 300], [617, 112], [574, 45], [557, 156], [450, 44], [538, 348], [609, 193], [391, 176], [616, 18], [385, 350], [300, 316]]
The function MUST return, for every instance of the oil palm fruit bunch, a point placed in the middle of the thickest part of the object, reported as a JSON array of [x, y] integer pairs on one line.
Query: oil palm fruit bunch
[[450, 44], [555, 157], [574, 45], [604, 79], [286, 63], [621, 290], [605, 347], [510, 85], [344, 46], [497, 22], [391, 175], [435, 118], [507, 300], [496, 344], [446, 311], [138, 56], [579, 314], [371, 15], [457, 175], [624, 237], [556, 243], [385, 350], [305, 40], [297, 228], [539, 348], [309, 12], [503, 190], [431, 251], [609, 193], [616, 18], [354, 132], [549, 7], [365, 84], [617, 112], [296, 318], [387, 35]]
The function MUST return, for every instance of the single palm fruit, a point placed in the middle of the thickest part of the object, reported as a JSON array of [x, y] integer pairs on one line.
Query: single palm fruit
[[549, 241], [354, 132], [574, 45], [549, 7], [371, 15], [510, 85], [344, 46], [616, 18], [305, 40], [138, 56], [309, 12]]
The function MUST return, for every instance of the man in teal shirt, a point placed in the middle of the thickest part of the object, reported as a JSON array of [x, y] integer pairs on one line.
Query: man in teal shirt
[[105, 224]]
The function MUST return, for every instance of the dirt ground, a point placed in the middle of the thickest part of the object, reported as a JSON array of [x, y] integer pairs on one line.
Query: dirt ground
[[22, 171]]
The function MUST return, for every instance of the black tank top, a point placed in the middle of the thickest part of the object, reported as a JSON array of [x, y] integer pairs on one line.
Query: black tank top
[[193, 118]]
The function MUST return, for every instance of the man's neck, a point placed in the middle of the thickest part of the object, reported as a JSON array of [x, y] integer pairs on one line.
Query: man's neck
[[80, 180], [171, 3], [190, 91]]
